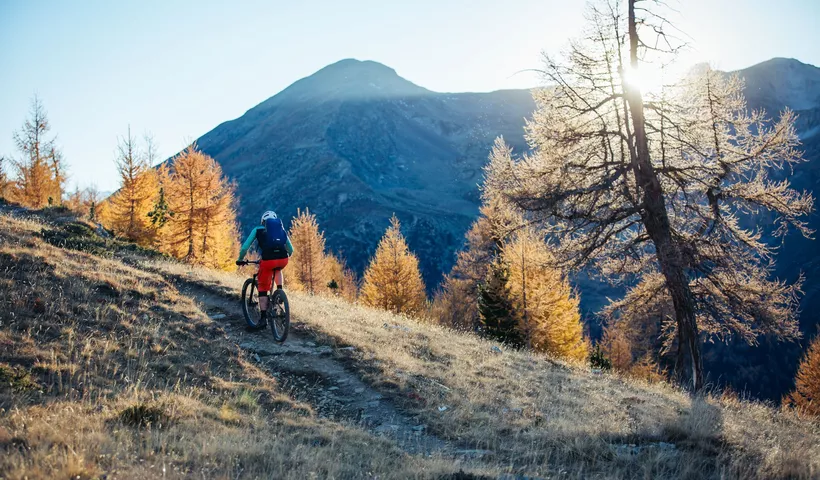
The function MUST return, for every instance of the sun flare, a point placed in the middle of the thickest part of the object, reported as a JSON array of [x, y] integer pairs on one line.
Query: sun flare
[[648, 80]]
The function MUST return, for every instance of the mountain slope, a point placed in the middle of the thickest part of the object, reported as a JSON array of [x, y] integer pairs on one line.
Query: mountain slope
[[118, 364], [356, 143]]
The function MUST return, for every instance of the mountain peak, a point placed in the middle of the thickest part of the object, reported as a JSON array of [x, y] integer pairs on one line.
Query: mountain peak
[[782, 82], [350, 79], [352, 64]]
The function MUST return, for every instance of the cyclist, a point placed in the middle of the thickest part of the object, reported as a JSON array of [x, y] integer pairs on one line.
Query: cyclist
[[275, 248]]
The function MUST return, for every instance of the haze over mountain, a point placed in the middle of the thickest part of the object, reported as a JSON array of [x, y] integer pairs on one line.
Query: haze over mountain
[[355, 143]]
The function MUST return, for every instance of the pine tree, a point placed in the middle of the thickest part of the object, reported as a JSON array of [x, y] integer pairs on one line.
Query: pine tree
[[308, 264], [393, 281], [160, 212], [126, 212], [806, 394], [346, 284], [496, 311], [40, 172], [548, 315], [203, 228]]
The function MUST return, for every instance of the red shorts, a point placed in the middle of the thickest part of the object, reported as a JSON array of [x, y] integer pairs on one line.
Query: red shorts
[[266, 271]]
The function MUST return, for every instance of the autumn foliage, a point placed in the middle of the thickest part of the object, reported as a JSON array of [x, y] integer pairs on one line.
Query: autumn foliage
[[503, 285], [203, 228], [393, 281], [544, 305], [126, 211], [806, 394], [307, 266], [40, 171]]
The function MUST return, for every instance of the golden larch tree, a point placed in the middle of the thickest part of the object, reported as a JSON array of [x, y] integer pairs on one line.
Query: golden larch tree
[[40, 172], [455, 304], [307, 265], [393, 281], [542, 298], [126, 211], [203, 228], [343, 282], [806, 394]]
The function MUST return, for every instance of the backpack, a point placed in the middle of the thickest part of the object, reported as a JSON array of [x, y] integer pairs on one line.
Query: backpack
[[273, 240]]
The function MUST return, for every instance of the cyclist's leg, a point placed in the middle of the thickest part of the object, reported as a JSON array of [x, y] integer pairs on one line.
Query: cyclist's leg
[[278, 266], [265, 278]]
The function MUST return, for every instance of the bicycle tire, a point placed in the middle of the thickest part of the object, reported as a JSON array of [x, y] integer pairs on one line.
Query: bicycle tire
[[279, 318], [250, 302]]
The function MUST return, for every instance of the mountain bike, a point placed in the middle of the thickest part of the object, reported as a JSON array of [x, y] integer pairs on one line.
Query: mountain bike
[[278, 307]]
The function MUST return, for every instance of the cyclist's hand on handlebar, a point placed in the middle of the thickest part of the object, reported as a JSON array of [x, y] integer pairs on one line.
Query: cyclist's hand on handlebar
[[240, 262]]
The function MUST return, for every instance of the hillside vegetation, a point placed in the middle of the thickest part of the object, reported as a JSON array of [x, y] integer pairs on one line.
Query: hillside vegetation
[[114, 363]]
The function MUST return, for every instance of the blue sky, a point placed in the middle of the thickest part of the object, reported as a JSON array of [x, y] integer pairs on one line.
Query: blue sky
[[178, 68]]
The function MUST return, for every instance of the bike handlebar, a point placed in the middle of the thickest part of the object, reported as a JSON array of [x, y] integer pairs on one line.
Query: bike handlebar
[[246, 262]]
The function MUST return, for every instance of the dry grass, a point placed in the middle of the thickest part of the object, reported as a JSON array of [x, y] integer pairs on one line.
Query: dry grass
[[107, 370], [540, 416]]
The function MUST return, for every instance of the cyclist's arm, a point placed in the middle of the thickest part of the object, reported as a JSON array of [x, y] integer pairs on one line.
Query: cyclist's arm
[[289, 247], [247, 245]]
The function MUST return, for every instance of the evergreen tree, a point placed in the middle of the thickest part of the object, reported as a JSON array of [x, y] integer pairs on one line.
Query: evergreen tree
[[455, 303], [806, 394], [161, 212], [393, 281], [495, 310], [308, 265]]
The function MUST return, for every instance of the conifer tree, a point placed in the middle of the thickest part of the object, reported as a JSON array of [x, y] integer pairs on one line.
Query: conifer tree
[[455, 303], [346, 285], [806, 394], [496, 311], [40, 171], [543, 301], [651, 187], [127, 210], [308, 264], [160, 212], [203, 228], [393, 281]]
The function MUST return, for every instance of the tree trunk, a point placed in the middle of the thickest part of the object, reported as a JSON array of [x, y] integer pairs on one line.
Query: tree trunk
[[657, 225]]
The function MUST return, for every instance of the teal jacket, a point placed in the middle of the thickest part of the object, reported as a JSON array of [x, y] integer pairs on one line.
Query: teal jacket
[[249, 241]]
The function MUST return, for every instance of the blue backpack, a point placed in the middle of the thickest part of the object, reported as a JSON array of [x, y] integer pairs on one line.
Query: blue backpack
[[272, 240]]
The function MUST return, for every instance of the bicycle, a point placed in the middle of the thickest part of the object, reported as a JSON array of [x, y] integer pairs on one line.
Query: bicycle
[[278, 307]]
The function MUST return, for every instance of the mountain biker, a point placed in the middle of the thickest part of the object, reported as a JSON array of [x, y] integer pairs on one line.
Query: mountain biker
[[275, 248]]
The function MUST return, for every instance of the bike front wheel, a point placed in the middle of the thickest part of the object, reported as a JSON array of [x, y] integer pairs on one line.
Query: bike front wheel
[[250, 303], [279, 315]]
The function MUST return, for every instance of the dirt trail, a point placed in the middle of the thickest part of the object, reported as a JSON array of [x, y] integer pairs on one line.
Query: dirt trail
[[313, 375]]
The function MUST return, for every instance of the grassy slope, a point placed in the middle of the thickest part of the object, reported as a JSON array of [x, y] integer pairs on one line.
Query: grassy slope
[[544, 417], [93, 349], [106, 369]]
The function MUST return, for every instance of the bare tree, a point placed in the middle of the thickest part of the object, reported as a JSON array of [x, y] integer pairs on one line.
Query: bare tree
[[652, 187]]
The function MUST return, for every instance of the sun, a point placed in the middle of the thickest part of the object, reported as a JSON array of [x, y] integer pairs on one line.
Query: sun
[[645, 78]]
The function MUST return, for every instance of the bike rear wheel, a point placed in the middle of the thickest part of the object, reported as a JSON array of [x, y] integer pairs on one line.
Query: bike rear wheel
[[279, 315], [250, 303]]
